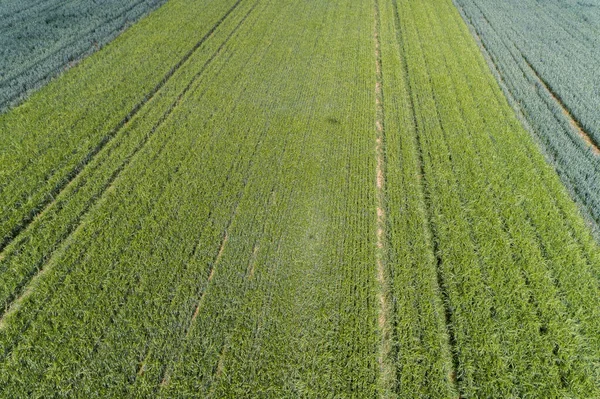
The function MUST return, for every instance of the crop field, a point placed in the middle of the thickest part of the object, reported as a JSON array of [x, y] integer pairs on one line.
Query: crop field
[[39, 39], [546, 55], [283, 199]]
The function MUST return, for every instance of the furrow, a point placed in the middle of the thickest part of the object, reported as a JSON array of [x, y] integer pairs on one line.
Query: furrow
[[443, 290]]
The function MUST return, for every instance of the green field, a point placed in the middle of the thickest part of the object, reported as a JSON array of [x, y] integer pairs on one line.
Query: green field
[[261, 198]]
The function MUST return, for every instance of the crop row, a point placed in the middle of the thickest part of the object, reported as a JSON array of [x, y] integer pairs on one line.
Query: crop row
[[39, 39]]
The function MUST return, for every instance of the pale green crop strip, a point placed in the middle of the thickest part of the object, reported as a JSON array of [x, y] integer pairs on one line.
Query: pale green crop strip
[[40, 155], [19, 261]]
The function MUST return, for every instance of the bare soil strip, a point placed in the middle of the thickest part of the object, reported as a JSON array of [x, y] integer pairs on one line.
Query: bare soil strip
[[386, 366]]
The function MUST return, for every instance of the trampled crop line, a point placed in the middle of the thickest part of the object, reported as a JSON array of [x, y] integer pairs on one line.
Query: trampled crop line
[[256, 247], [168, 368], [211, 274], [385, 319], [220, 365], [18, 293], [53, 194], [441, 282], [575, 124], [166, 374]]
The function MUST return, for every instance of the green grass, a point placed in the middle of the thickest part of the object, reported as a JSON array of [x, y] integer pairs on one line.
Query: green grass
[[224, 242]]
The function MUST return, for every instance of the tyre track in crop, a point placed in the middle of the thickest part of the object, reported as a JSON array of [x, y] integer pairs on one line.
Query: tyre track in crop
[[216, 259], [576, 125], [73, 226], [506, 145], [385, 319], [543, 146], [560, 318], [50, 198], [454, 377], [5, 18], [191, 155]]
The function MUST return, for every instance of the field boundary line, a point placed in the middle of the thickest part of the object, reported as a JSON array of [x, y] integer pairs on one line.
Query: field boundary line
[[78, 169]]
